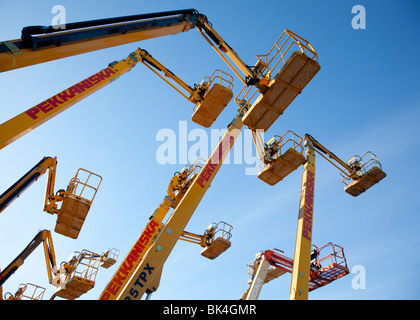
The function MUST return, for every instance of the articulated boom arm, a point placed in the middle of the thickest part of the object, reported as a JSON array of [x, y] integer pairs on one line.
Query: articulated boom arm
[[220, 45], [46, 164], [177, 187], [75, 202], [210, 97], [358, 174], [345, 168], [43, 236], [195, 94]]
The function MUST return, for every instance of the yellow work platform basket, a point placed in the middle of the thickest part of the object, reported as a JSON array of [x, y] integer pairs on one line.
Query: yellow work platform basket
[[220, 243], [80, 275], [297, 68], [77, 201], [288, 157], [369, 173], [215, 100]]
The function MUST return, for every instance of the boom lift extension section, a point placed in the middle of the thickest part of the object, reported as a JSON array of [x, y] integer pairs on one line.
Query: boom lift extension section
[[210, 97], [271, 264], [43, 236], [39, 44], [25, 122], [358, 173], [76, 200], [213, 246]]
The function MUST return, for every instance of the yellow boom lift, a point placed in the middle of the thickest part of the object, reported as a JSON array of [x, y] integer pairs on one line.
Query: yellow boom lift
[[78, 275], [281, 156], [43, 236], [177, 188], [271, 264], [141, 270], [76, 200], [72, 278]]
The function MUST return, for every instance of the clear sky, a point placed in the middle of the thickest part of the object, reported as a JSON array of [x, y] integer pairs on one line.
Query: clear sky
[[365, 98]]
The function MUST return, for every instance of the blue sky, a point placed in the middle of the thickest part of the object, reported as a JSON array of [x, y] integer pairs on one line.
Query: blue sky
[[365, 98]]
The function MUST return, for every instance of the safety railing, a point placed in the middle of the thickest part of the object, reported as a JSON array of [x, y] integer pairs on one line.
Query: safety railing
[[109, 258], [328, 268], [223, 230], [85, 265], [219, 77], [289, 140], [269, 64], [85, 184], [363, 164], [332, 256], [27, 291]]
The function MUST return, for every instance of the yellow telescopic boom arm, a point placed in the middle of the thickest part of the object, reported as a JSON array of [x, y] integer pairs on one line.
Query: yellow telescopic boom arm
[[147, 273], [39, 44], [25, 122]]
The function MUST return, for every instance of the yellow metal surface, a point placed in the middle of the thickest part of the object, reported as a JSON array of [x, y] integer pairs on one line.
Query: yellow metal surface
[[74, 288], [29, 56], [71, 216], [299, 286], [136, 253], [216, 248], [370, 178]]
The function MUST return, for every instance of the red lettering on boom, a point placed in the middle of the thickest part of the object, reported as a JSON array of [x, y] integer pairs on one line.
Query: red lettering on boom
[[132, 260], [217, 157], [68, 94], [308, 206]]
